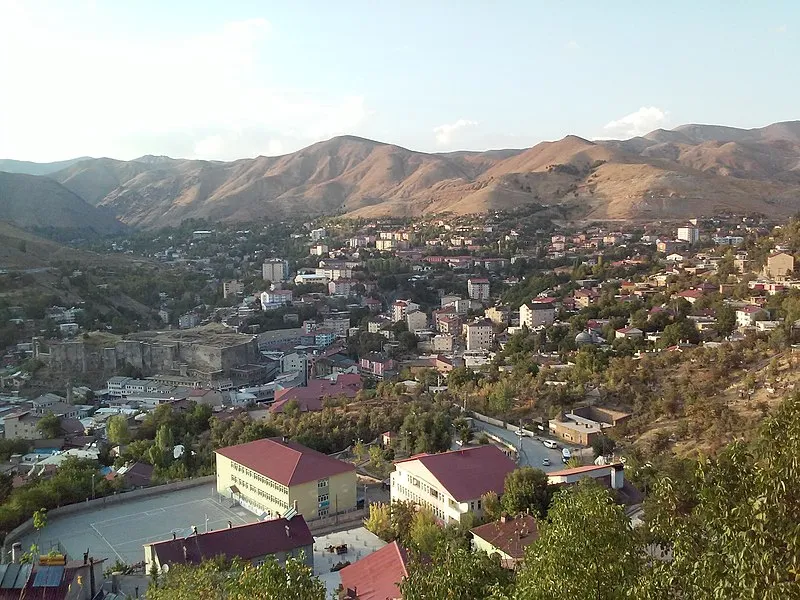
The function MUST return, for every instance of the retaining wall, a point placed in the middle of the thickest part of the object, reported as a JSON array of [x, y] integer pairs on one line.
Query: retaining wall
[[78, 507]]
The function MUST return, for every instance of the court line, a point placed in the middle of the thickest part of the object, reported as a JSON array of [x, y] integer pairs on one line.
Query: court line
[[143, 513], [102, 537]]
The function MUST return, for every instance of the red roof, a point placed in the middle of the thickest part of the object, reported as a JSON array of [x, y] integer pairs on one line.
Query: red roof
[[286, 462], [511, 537], [377, 576], [478, 280], [250, 541], [579, 470], [310, 397], [469, 473]]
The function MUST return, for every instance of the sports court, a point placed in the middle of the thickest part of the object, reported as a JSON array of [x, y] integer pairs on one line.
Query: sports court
[[118, 531]]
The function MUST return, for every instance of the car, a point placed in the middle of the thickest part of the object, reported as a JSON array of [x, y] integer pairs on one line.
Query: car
[[550, 444], [545, 462]]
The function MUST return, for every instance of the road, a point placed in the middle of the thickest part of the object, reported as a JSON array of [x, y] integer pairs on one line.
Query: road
[[533, 452]]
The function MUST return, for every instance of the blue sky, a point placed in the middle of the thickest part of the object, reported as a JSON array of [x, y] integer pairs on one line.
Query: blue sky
[[234, 79]]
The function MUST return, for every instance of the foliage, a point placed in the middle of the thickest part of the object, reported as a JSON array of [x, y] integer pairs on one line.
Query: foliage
[[526, 490], [456, 575], [584, 550], [424, 533], [602, 445], [213, 580], [49, 426], [379, 521], [117, 430]]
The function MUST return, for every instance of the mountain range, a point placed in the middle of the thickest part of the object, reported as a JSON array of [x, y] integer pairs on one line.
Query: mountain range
[[692, 170]]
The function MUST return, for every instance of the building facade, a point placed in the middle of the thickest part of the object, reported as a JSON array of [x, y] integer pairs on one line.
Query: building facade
[[275, 270], [479, 335], [478, 289], [536, 314]]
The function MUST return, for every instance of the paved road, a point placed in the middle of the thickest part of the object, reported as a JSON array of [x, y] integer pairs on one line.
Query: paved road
[[533, 452]]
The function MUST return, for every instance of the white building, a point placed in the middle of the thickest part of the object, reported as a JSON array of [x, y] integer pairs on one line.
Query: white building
[[341, 287], [232, 288], [319, 250], [275, 270], [746, 316], [318, 234], [416, 320], [535, 314], [478, 288], [310, 278], [401, 307], [334, 273], [689, 233], [479, 335], [451, 484]]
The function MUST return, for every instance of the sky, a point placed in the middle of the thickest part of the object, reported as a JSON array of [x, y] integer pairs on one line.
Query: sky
[[236, 79]]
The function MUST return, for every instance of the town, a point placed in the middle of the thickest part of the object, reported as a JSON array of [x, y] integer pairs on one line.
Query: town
[[346, 395]]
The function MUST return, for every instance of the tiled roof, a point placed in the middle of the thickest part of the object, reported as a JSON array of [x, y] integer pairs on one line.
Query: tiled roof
[[286, 462], [511, 537], [376, 577], [310, 397], [244, 541], [469, 473]]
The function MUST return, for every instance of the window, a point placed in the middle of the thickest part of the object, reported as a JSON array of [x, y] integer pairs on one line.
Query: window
[[323, 498], [322, 483], [479, 504], [323, 512]]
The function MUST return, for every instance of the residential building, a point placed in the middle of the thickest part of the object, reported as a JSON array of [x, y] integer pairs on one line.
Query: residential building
[[318, 234], [310, 279], [583, 425], [537, 313], [612, 475], [401, 307], [339, 325], [585, 298], [22, 425], [378, 366], [311, 397], [416, 320], [508, 537], [629, 333], [335, 272], [319, 250], [497, 314], [377, 576], [746, 316], [188, 320], [341, 287], [232, 288], [689, 233], [779, 265], [479, 335], [478, 288], [252, 542], [272, 299], [270, 476], [275, 270], [451, 484]]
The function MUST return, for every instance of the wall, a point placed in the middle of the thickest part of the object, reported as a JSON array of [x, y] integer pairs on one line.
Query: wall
[[341, 492], [91, 505]]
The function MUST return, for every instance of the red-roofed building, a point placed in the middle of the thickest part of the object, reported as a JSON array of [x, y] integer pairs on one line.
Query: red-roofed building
[[253, 542], [507, 537], [270, 476], [309, 398], [451, 484], [377, 576]]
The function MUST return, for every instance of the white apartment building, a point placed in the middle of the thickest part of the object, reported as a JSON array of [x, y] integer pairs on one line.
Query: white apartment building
[[401, 307], [416, 320], [275, 270], [535, 314], [478, 288], [451, 484], [689, 233], [479, 335]]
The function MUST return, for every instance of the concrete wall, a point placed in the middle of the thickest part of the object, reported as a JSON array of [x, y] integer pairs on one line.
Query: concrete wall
[[255, 495], [90, 505], [341, 492]]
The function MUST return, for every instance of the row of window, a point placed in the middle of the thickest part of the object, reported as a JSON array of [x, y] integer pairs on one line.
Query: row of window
[[260, 492], [261, 479], [417, 499]]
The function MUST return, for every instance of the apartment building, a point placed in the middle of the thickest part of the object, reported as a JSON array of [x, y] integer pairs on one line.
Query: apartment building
[[537, 313], [275, 270], [270, 476], [478, 288], [451, 484], [479, 335]]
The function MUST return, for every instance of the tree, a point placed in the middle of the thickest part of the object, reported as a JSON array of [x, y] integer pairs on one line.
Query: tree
[[603, 445], [526, 489], [585, 550], [737, 536], [379, 521], [492, 508], [49, 426], [214, 580], [456, 575], [402, 516], [425, 534], [117, 430], [725, 321]]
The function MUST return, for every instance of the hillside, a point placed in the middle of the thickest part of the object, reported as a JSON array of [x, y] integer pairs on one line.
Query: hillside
[[691, 170], [32, 201], [34, 168]]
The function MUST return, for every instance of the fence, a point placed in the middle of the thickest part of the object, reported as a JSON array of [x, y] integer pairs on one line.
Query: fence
[[99, 503]]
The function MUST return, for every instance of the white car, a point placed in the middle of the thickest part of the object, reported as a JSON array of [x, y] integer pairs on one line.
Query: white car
[[550, 444], [545, 462]]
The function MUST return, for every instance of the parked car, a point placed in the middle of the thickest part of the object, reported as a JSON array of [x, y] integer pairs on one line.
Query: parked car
[[550, 444], [565, 455], [546, 462]]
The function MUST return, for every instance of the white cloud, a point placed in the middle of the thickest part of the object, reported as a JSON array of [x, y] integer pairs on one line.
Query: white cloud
[[102, 93], [572, 45], [643, 121], [782, 28], [444, 133]]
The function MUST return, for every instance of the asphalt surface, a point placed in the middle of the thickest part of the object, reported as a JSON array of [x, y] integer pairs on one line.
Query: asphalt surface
[[532, 451]]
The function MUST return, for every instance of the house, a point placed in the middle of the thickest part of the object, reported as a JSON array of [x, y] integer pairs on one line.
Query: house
[[310, 397], [583, 425], [133, 476], [691, 296], [416, 320], [232, 288], [478, 288], [53, 579], [779, 265], [508, 537], [585, 298], [479, 335], [22, 424], [253, 542], [629, 333], [376, 576], [378, 366], [747, 315], [537, 313], [451, 484], [341, 287], [497, 314], [401, 307], [270, 476], [612, 473]]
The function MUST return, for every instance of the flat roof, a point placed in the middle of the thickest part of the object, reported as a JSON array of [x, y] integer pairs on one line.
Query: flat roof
[[213, 334]]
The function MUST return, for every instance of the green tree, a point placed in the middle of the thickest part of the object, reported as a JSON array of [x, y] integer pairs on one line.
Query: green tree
[[526, 489], [585, 550], [456, 575], [725, 321], [492, 508], [379, 521], [425, 534], [49, 426], [402, 516], [603, 445], [117, 430]]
